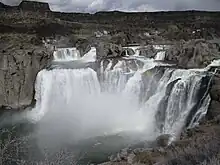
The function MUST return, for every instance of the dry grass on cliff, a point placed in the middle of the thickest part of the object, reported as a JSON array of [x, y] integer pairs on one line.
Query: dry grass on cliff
[[202, 147]]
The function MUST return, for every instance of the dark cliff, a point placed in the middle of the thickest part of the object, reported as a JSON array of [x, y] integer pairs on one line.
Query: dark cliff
[[34, 6], [21, 58], [30, 17], [27, 6], [22, 52]]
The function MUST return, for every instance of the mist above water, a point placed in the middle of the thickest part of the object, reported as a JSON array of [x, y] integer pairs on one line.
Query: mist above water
[[77, 104], [74, 107]]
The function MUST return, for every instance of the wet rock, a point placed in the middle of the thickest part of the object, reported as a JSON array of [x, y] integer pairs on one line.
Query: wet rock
[[128, 51], [163, 140], [193, 54], [215, 88], [215, 92], [83, 46], [108, 50], [214, 110], [148, 51]]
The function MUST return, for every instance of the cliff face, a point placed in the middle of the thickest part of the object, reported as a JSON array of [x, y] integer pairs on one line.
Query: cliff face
[[194, 53], [21, 57], [34, 6], [27, 6]]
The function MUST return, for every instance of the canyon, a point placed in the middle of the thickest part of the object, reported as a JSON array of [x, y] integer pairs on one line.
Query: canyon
[[31, 32]]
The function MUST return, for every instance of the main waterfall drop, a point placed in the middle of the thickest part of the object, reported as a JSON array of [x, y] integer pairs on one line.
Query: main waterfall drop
[[131, 94]]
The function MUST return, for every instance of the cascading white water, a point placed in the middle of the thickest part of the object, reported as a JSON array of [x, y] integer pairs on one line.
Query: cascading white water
[[72, 54], [181, 100], [118, 100], [160, 56], [69, 54]]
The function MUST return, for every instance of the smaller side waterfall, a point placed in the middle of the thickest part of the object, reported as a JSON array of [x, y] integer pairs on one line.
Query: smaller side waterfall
[[65, 54], [160, 56], [181, 93], [72, 54]]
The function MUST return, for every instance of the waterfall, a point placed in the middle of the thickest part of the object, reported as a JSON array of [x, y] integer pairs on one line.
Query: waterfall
[[67, 54], [72, 54], [160, 56], [182, 98], [150, 98]]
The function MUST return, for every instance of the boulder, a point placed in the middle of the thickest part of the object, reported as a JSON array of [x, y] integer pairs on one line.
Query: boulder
[[121, 38], [215, 88], [20, 61], [128, 51], [83, 46], [108, 50], [215, 92], [61, 42], [147, 51], [193, 54], [214, 110], [163, 140]]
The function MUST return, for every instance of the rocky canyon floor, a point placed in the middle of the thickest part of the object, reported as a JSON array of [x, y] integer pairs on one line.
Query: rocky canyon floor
[[31, 32]]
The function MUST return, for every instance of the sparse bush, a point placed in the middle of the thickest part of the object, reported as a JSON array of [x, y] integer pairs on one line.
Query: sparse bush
[[213, 161], [15, 150], [202, 149]]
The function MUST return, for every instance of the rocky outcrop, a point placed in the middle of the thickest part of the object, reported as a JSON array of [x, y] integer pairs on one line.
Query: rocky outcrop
[[193, 54], [83, 46], [108, 50], [21, 57], [147, 51], [128, 51], [214, 108], [2, 6], [163, 140], [34, 6]]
